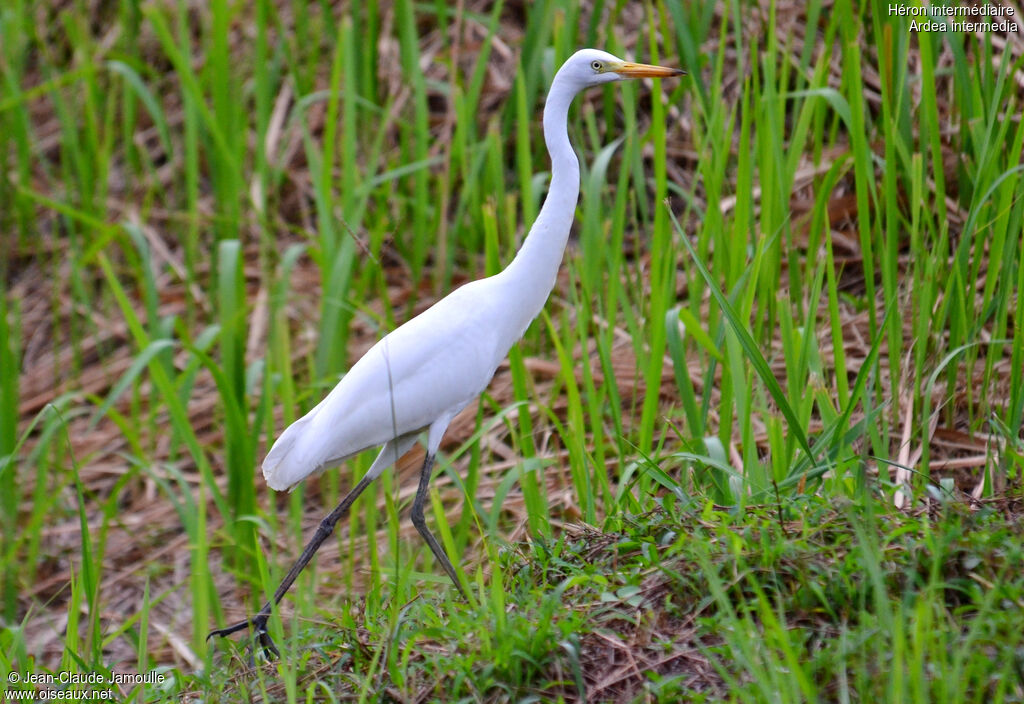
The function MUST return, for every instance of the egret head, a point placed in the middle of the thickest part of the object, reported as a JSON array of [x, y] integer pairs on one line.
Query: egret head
[[591, 67]]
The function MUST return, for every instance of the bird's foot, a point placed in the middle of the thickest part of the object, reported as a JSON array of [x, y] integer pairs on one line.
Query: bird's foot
[[258, 627]]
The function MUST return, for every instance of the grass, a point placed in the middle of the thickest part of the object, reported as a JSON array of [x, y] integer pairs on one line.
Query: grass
[[763, 444], [833, 603]]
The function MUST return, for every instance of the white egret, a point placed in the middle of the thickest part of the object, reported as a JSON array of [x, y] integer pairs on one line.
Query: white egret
[[418, 377]]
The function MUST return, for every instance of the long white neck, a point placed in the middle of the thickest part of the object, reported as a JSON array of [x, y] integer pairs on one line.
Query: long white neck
[[535, 266]]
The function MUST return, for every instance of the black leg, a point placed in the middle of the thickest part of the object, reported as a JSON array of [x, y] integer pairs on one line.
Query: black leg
[[421, 523], [258, 623]]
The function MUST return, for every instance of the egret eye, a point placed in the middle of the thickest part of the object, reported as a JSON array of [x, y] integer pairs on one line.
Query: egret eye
[[596, 65]]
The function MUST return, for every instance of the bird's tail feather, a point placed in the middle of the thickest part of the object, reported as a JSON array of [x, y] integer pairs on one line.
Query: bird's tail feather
[[283, 467]]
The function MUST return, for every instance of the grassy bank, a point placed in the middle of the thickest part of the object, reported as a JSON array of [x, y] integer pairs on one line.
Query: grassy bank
[[764, 443]]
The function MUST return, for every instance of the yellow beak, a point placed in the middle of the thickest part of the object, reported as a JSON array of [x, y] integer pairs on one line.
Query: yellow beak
[[631, 70]]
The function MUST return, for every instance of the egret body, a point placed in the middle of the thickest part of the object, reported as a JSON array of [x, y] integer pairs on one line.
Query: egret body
[[418, 377]]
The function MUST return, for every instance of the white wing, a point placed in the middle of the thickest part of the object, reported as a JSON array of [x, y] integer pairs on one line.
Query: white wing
[[427, 369]]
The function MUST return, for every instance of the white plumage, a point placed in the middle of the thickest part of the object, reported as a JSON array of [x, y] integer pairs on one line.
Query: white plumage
[[421, 375], [418, 377]]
